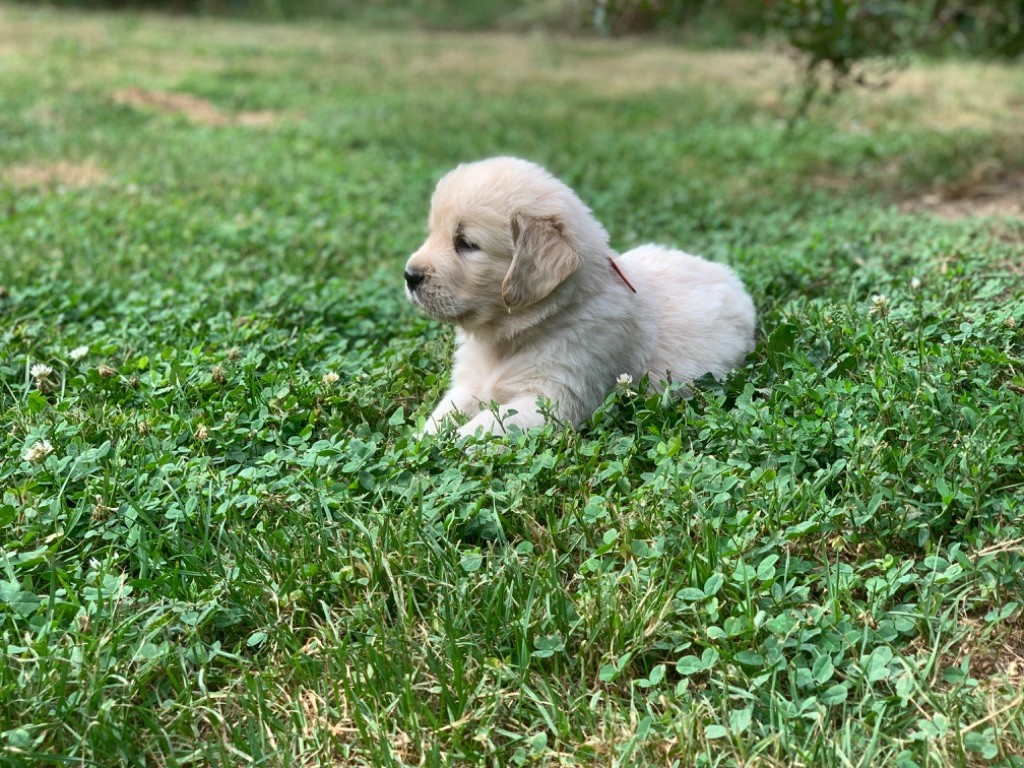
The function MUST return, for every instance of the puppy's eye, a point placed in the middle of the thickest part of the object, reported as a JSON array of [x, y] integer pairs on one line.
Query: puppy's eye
[[463, 245]]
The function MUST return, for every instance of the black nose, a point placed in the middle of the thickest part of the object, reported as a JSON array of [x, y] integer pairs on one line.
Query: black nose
[[413, 277]]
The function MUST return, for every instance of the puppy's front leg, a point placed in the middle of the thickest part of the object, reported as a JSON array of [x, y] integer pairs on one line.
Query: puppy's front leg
[[457, 400], [521, 412]]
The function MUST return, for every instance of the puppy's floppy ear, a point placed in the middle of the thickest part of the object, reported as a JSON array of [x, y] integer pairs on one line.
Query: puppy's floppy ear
[[543, 256]]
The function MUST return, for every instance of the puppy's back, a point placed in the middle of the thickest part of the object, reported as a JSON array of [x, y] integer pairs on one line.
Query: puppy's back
[[705, 319]]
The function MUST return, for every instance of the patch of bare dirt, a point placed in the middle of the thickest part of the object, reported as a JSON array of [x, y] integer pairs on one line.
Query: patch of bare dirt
[[193, 108], [1001, 195], [996, 658], [1003, 659], [996, 655], [60, 173]]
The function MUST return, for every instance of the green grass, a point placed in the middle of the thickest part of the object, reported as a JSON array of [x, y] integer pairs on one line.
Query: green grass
[[228, 559]]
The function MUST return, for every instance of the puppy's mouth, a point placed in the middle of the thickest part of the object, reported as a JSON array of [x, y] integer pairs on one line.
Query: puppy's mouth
[[443, 311]]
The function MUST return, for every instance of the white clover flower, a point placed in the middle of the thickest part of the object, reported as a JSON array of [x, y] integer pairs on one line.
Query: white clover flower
[[201, 432], [915, 283], [879, 305], [79, 352], [40, 371], [330, 378], [625, 384], [38, 451]]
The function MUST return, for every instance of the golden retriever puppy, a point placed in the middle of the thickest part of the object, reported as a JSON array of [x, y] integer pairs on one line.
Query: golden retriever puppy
[[546, 311]]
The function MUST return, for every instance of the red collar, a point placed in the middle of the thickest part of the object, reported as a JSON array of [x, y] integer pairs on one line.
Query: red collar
[[619, 273]]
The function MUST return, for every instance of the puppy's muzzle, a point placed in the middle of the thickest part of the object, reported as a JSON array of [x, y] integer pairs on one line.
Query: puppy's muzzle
[[413, 278]]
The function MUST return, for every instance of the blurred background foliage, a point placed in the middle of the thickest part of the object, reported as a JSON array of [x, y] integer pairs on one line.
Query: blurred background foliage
[[837, 42]]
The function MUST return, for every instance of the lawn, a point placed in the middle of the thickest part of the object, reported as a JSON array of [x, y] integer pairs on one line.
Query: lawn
[[221, 543]]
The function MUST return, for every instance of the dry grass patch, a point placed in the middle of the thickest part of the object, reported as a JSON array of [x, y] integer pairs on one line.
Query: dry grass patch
[[61, 173], [611, 68], [22, 33], [193, 108], [958, 95]]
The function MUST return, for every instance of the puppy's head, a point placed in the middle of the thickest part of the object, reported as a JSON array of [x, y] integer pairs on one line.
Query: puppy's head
[[504, 235]]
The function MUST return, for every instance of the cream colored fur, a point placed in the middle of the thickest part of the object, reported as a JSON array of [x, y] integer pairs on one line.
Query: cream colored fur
[[541, 313]]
